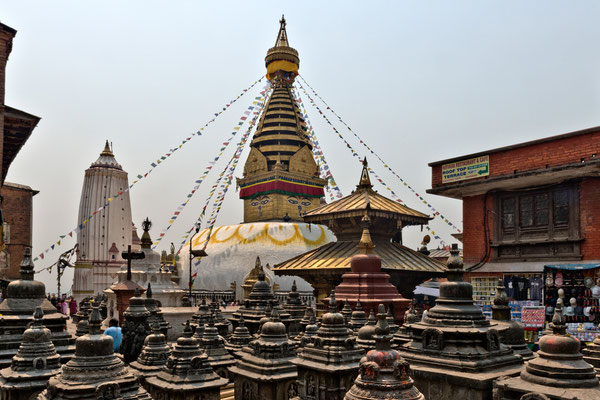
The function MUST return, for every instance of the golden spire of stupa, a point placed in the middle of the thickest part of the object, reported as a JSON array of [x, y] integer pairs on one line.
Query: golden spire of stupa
[[366, 246], [107, 150]]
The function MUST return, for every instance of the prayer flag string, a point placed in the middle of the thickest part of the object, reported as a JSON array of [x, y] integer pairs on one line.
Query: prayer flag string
[[318, 153], [429, 205], [140, 176]]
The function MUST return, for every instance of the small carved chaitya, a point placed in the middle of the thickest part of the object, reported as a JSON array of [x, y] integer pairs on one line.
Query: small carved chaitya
[[200, 317], [95, 372], [365, 335], [384, 374], [358, 318], [213, 345], [511, 332], [154, 355], [558, 373], [23, 296], [455, 349], [241, 337], [402, 335], [187, 374], [156, 314], [591, 354], [328, 364], [296, 310], [35, 362], [265, 370], [135, 328], [255, 307]]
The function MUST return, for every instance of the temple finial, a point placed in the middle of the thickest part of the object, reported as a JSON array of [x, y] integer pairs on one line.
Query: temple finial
[[332, 303], [107, 150], [365, 179], [282, 39], [366, 246]]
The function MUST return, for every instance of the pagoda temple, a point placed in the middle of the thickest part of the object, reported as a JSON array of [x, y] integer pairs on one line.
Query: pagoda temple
[[367, 283], [323, 267]]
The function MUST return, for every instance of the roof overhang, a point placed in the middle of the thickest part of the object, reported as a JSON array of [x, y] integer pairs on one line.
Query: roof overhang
[[18, 126], [520, 179]]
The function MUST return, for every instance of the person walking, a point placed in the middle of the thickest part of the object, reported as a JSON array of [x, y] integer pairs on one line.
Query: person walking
[[114, 331], [72, 307]]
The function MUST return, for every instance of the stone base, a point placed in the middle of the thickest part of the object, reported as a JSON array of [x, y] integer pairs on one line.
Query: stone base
[[177, 316], [507, 388], [446, 384]]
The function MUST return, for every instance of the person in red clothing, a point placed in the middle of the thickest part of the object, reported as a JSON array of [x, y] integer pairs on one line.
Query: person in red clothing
[[72, 306]]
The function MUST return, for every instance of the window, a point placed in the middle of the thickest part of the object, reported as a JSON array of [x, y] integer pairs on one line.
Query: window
[[537, 223]]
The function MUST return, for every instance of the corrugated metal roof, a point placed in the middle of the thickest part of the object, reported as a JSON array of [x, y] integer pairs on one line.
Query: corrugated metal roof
[[442, 253], [358, 201], [337, 255]]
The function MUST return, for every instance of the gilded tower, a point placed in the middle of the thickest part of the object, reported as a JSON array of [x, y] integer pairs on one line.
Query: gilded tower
[[281, 178]]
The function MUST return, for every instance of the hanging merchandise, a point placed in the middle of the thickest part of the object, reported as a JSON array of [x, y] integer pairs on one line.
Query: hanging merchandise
[[318, 152], [435, 211], [153, 165], [207, 170]]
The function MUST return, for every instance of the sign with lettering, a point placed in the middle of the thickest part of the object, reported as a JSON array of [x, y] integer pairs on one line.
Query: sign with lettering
[[533, 317], [466, 169]]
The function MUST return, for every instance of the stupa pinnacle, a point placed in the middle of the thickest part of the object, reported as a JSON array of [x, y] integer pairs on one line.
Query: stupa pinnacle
[[280, 176]]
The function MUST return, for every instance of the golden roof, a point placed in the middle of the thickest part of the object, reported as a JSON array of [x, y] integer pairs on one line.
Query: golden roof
[[336, 256], [366, 200]]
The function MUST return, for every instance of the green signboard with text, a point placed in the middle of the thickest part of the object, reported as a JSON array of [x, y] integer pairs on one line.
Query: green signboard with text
[[466, 169]]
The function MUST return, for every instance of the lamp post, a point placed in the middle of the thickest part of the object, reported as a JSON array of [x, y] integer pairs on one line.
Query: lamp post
[[194, 254]]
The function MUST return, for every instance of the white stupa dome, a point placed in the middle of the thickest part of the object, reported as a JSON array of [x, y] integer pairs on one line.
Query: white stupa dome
[[232, 252]]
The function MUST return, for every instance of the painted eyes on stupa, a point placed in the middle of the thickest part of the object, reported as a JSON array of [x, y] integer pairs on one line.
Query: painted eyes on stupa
[[260, 201], [305, 202], [264, 200], [293, 200]]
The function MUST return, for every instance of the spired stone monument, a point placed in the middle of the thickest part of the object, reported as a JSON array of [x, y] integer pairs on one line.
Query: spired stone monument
[[241, 337], [455, 353], [187, 375], [135, 328], [591, 354], [156, 314], [384, 374], [154, 355], [213, 345], [23, 296], [95, 372], [328, 364], [511, 332], [36, 362], [558, 373], [265, 370]]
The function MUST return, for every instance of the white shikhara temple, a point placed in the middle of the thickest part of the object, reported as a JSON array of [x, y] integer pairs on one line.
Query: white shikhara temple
[[101, 239]]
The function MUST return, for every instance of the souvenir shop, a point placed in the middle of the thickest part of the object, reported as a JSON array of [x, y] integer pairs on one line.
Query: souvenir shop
[[577, 286]]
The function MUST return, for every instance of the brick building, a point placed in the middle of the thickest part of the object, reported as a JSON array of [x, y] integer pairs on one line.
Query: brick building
[[15, 200], [527, 205]]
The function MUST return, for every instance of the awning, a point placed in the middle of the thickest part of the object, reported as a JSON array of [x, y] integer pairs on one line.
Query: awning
[[427, 291], [573, 267]]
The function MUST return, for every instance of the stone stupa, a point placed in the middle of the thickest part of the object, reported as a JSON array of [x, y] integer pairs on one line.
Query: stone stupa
[[156, 314], [511, 332], [187, 373], [135, 328], [591, 354], [254, 308], [36, 362], [241, 337], [328, 365], [455, 349], [94, 372], [365, 336], [384, 374], [213, 345], [295, 308], [558, 373], [154, 355], [358, 318], [23, 296], [265, 370]]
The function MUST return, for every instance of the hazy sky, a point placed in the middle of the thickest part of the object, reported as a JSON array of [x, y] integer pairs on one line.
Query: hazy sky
[[420, 81]]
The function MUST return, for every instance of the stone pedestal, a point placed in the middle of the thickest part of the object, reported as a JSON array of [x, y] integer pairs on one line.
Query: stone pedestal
[[591, 354], [23, 296], [36, 362], [328, 365], [187, 374], [94, 372], [265, 370]]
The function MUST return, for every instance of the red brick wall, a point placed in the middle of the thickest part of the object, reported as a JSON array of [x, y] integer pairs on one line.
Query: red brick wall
[[473, 227], [589, 216], [17, 210], [553, 153]]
